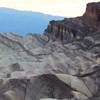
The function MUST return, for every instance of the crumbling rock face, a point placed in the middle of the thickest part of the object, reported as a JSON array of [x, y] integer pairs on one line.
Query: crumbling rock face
[[77, 28], [93, 11], [66, 30]]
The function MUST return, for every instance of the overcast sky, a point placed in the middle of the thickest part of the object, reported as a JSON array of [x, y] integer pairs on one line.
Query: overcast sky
[[68, 8]]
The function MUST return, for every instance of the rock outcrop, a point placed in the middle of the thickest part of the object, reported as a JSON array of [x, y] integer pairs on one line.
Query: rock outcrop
[[71, 29], [61, 64], [46, 85], [93, 11]]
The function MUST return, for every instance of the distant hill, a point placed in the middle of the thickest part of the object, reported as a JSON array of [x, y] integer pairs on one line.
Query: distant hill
[[22, 22]]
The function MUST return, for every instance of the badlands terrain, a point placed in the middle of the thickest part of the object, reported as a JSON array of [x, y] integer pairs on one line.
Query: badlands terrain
[[61, 64]]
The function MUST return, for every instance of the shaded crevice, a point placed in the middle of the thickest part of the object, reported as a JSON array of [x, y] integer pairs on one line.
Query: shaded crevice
[[88, 74]]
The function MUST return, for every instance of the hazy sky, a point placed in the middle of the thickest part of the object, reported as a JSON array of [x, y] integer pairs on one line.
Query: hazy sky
[[68, 8]]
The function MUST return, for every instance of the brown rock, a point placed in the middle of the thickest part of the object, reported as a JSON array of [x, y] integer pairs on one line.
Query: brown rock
[[93, 11], [77, 28]]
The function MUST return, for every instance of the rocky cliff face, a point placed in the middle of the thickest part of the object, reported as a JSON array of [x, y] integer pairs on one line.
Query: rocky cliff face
[[76, 28], [93, 11], [61, 64]]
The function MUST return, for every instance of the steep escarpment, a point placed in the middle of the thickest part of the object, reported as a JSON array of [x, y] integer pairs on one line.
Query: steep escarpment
[[76, 28], [61, 64], [93, 11]]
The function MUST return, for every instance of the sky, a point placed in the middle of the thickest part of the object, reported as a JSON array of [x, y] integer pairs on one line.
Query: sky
[[66, 8]]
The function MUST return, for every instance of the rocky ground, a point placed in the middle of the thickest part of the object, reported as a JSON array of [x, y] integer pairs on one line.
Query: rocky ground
[[61, 64]]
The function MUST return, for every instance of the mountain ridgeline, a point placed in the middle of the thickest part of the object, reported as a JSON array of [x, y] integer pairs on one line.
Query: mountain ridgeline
[[22, 22]]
